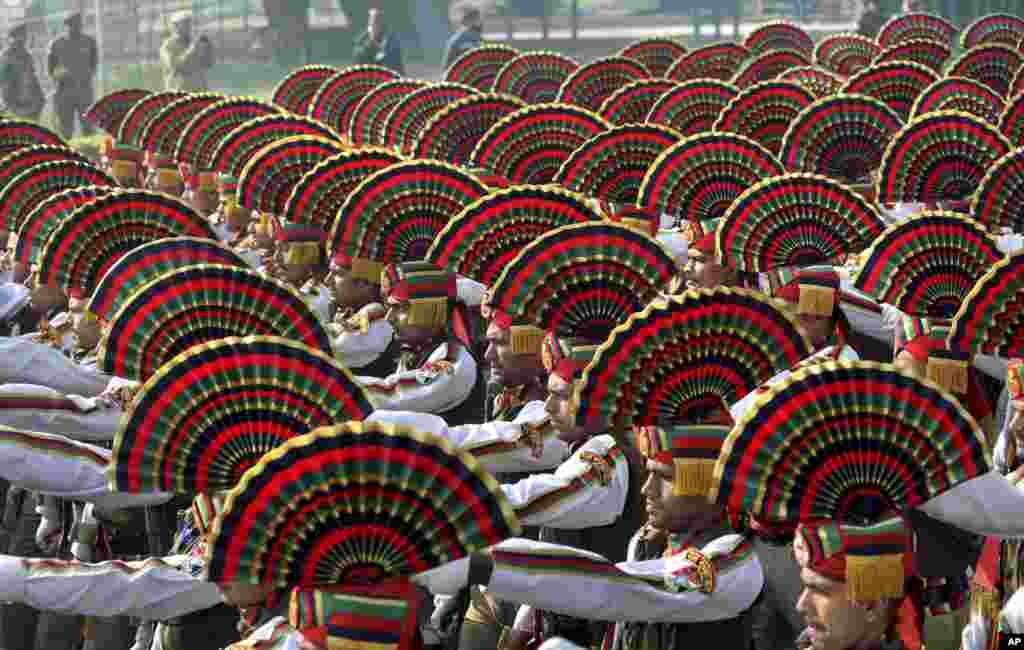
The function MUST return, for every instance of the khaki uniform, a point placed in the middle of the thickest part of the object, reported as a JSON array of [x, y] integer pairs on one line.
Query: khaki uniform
[[72, 63], [186, 64]]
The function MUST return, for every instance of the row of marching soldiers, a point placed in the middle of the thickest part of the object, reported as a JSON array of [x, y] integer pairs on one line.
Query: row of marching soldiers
[[264, 388]]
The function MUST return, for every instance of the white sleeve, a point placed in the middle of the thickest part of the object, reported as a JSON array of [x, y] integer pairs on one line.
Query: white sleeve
[[43, 409], [987, 505], [60, 467], [499, 446], [540, 575], [358, 349], [153, 589], [25, 362], [588, 490], [436, 387]]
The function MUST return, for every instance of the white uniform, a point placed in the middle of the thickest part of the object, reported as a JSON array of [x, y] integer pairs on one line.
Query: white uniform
[[436, 387]]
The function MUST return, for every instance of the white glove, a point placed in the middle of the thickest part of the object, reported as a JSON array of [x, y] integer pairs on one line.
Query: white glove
[[49, 532], [85, 540]]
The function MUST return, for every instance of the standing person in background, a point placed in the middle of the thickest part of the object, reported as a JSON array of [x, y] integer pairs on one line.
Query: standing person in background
[[469, 36], [186, 62], [377, 45], [913, 6], [871, 20], [19, 85], [71, 64]]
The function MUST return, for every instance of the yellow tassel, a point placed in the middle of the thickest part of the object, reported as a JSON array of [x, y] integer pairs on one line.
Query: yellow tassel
[[121, 169], [951, 374], [816, 301], [526, 339], [207, 182], [870, 579], [694, 477], [302, 254], [428, 312], [263, 226], [168, 178], [367, 270]]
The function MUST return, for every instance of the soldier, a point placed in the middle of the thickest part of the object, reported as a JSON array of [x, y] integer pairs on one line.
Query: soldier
[[71, 64], [19, 85], [186, 61]]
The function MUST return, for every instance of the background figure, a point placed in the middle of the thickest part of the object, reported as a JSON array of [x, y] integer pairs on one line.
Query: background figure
[[469, 36], [378, 46], [871, 20], [71, 64], [19, 85], [186, 62]]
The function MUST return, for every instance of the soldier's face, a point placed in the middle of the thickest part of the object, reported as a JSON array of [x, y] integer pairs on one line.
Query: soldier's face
[[85, 326], [348, 291], [665, 510], [47, 297], [560, 407], [507, 367]]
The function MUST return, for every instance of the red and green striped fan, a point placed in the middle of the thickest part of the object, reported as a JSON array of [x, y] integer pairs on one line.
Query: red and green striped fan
[[453, 133], [975, 105], [764, 112], [45, 216], [373, 503], [479, 67], [930, 53], [25, 158], [336, 100], [632, 103], [939, 157], [698, 178], [993, 64], [847, 439], [993, 28], [109, 111], [321, 192], [842, 137], [394, 215], [535, 77], [999, 201], [691, 107], [200, 138], [268, 178], [134, 124], [819, 81], [683, 358], [595, 82], [584, 280], [1011, 122], [991, 317], [34, 185], [88, 242], [242, 143], [794, 221], [530, 145], [212, 412], [162, 133], [192, 305], [295, 92], [776, 36], [485, 237], [846, 54], [655, 54], [926, 265], [768, 66], [611, 166], [409, 116], [147, 262], [898, 84], [366, 127], [916, 25], [16, 133], [716, 61], [963, 92]]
